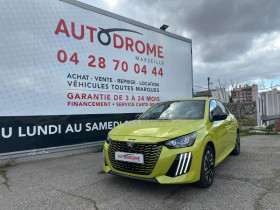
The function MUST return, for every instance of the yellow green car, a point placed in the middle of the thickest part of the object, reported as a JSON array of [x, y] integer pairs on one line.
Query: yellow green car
[[173, 142]]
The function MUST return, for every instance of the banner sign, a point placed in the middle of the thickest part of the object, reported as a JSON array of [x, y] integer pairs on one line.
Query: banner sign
[[62, 65]]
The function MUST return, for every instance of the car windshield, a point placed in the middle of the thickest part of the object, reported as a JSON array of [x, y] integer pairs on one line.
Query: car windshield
[[188, 109]]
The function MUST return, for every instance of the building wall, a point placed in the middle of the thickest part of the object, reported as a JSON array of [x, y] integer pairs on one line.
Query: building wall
[[244, 94], [220, 94], [254, 92]]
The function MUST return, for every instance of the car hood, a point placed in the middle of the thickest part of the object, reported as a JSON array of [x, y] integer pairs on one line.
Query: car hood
[[156, 128]]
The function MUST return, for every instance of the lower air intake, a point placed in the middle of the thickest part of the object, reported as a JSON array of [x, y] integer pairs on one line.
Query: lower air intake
[[181, 165]]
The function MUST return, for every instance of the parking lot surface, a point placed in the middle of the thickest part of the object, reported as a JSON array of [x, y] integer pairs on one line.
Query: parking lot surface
[[248, 181]]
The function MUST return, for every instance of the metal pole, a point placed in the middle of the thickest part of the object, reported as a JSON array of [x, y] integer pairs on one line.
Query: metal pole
[[258, 106], [208, 78]]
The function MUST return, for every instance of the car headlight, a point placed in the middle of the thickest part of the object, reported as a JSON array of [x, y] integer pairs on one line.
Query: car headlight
[[182, 141], [108, 140]]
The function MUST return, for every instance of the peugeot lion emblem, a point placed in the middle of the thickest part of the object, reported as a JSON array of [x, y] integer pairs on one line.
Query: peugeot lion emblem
[[130, 146]]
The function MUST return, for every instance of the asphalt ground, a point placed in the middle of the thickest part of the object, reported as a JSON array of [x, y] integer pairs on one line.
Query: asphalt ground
[[248, 181]]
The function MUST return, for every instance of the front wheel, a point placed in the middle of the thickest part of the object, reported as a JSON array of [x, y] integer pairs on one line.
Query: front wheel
[[236, 149], [207, 168]]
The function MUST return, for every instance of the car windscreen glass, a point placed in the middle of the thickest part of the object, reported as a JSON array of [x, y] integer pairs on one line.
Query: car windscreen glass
[[189, 109]]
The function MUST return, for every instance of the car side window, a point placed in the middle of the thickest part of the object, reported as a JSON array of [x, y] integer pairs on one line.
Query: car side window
[[214, 109], [223, 108]]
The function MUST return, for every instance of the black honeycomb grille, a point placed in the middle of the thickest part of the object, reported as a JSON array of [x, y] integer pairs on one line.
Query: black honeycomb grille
[[151, 154]]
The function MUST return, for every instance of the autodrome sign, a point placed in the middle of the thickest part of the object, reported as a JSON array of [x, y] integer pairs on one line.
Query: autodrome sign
[[70, 72]]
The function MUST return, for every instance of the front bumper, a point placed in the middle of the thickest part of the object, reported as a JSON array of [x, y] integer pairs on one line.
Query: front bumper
[[133, 177], [166, 160]]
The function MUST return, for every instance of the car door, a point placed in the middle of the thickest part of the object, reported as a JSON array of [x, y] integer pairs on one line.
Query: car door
[[219, 130], [230, 127]]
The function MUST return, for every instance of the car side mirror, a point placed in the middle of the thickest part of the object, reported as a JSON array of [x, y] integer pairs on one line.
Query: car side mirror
[[137, 116], [221, 116]]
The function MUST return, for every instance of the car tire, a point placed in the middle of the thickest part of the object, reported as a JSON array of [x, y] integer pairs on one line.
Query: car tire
[[207, 171], [236, 149]]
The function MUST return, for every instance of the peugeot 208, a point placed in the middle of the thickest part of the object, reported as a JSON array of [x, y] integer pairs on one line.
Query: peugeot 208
[[179, 141]]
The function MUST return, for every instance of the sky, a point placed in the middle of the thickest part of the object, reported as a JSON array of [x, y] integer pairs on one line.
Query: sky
[[234, 42]]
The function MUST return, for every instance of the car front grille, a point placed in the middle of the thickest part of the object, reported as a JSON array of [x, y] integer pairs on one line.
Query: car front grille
[[151, 154]]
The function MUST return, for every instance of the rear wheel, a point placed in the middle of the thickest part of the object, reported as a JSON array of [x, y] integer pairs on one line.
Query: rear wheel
[[207, 168], [236, 149]]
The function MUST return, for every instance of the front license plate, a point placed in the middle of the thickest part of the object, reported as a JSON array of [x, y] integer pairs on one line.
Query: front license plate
[[129, 157]]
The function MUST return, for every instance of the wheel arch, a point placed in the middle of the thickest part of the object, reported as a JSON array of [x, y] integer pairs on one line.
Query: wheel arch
[[211, 144], [210, 140]]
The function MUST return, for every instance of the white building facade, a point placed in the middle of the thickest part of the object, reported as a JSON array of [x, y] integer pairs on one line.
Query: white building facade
[[269, 106]]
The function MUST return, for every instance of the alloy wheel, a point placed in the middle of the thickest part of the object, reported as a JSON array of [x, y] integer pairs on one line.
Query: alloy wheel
[[237, 142], [209, 166]]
